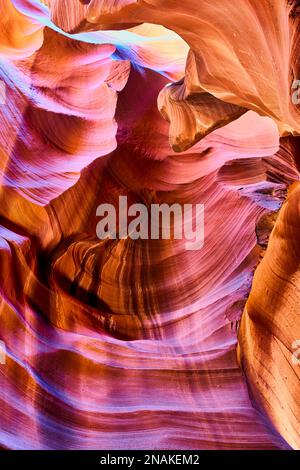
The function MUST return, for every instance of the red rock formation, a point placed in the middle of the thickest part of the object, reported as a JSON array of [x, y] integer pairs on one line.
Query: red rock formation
[[270, 329], [132, 343]]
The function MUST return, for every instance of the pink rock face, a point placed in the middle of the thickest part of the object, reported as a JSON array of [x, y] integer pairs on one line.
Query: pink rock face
[[123, 343], [244, 53]]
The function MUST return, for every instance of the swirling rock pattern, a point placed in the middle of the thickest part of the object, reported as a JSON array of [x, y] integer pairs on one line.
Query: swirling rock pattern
[[269, 327], [132, 343]]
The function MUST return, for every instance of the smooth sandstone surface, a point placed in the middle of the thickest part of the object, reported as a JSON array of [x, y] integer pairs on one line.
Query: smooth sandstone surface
[[133, 343]]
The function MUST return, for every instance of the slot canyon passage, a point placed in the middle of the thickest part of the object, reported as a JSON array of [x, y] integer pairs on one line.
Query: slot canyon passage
[[122, 343]]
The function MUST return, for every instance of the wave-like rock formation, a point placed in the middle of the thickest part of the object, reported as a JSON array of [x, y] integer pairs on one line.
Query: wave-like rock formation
[[270, 325], [123, 343]]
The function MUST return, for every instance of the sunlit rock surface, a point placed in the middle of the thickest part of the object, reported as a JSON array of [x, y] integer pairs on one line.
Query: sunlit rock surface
[[244, 53], [132, 344], [271, 327]]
